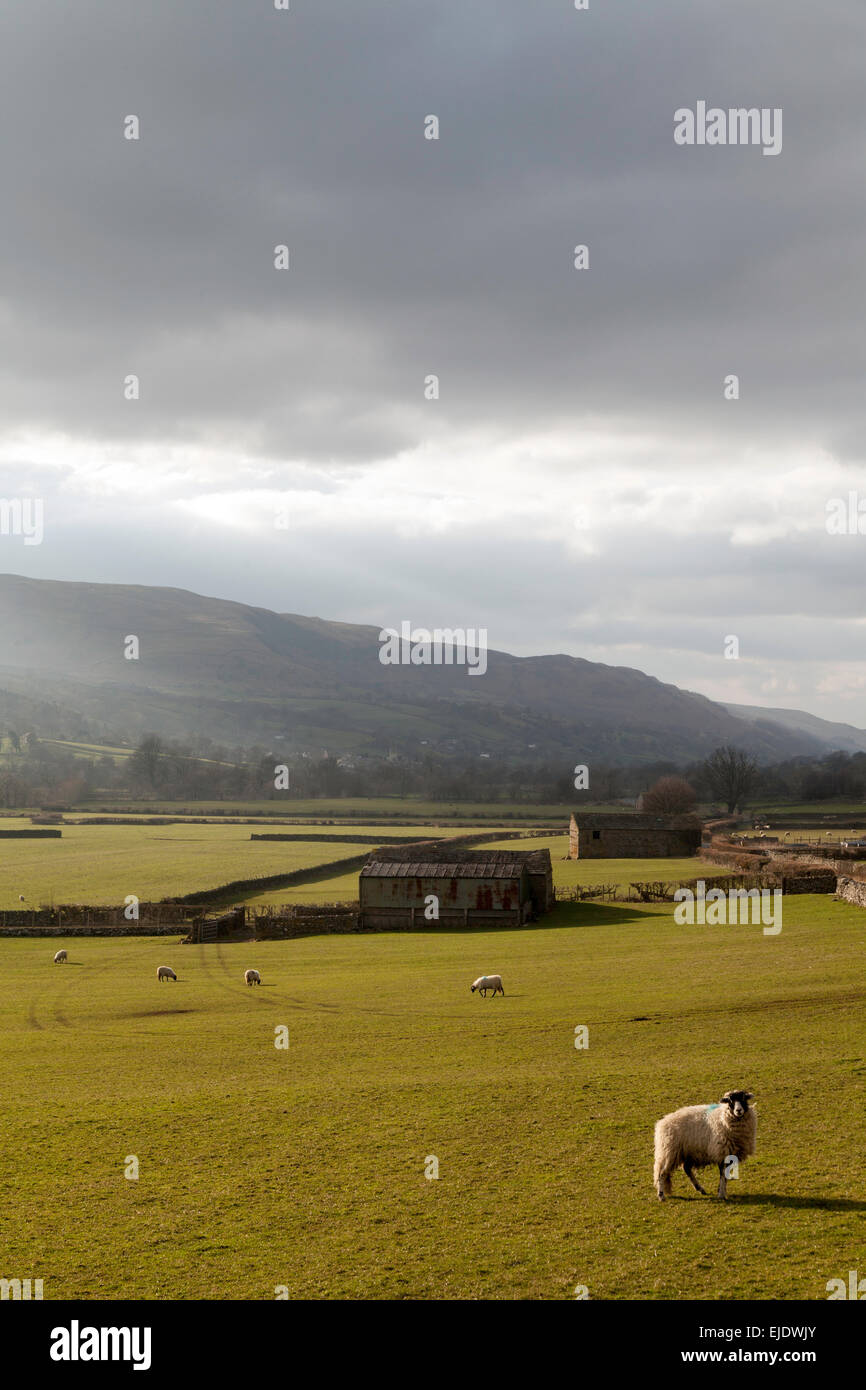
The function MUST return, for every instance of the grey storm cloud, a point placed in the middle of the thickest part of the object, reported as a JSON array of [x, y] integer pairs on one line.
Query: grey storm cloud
[[413, 256], [453, 257]]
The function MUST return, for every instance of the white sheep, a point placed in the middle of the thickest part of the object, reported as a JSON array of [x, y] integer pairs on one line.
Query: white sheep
[[698, 1135], [252, 977], [165, 972], [60, 957], [486, 982]]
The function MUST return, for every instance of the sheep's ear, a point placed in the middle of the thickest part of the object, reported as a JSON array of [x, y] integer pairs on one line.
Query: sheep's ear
[[750, 1095]]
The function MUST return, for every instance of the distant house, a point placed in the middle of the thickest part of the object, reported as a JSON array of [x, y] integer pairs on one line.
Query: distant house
[[632, 835], [470, 888]]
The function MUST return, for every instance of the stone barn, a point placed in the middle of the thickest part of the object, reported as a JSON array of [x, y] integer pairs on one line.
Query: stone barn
[[632, 835], [481, 888]]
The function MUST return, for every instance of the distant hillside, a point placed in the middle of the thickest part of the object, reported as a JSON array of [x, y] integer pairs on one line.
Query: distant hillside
[[245, 675], [842, 737]]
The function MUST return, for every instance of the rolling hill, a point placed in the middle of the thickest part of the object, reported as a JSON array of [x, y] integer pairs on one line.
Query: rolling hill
[[833, 736], [246, 675]]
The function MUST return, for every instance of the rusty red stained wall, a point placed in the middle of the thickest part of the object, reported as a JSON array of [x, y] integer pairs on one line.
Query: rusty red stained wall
[[505, 894]]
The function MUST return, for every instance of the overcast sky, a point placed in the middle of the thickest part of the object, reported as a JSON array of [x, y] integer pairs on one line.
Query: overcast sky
[[582, 484]]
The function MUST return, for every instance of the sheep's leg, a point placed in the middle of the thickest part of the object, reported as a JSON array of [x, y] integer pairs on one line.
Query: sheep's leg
[[687, 1169], [723, 1183]]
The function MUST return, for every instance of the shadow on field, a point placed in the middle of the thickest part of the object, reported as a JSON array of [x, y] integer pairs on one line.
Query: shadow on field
[[563, 914], [770, 1199], [592, 914]]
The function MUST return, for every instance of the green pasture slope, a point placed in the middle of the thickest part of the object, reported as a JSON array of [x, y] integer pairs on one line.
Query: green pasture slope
[[101, 864], [305, 1167], [97, 864]]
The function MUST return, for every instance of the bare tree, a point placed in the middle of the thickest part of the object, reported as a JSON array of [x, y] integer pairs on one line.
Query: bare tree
[[146, 758], [731, 774]]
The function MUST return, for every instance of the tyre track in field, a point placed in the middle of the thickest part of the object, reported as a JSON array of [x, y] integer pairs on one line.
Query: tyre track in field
[[223, 979], [266, 1000], [54, 998], [206, 970], [304, 1004]]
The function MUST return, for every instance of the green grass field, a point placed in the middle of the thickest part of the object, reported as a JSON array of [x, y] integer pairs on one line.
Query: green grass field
[[816, 835], [103, 863], [306, 1167], [836, 806], [567, 873], [571, 873]]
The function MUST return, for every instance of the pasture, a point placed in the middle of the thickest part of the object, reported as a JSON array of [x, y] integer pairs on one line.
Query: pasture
[[815, 835], [305, 1167], [573, 873], [567, 873], [101, 864]]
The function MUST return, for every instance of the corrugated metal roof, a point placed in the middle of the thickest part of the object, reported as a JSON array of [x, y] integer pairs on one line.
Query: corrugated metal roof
[[403, 869]]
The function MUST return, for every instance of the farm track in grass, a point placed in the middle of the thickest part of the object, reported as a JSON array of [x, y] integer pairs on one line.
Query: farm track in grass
[[305, 1167]]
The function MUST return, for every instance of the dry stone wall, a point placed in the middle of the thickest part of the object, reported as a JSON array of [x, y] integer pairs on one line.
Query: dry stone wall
[[852, 890]]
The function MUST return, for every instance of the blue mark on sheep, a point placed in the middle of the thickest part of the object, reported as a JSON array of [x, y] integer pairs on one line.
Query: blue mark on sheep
[[714, 1106]]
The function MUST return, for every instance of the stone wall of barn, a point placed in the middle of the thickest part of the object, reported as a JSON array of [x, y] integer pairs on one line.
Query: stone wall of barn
[[637, 843]]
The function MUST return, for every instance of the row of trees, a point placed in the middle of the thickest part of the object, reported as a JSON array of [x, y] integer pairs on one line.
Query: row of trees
[[728, 775], [35, 773], [40, 774]]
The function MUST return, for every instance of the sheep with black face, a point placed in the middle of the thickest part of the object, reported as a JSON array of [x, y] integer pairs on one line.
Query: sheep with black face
[[486, 982], [699, 1135]]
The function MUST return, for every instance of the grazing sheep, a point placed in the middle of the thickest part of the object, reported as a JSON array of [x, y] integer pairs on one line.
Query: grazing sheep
[[486, 982], [165, 972], [252, 977], [698, 1135], [59, 957]]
